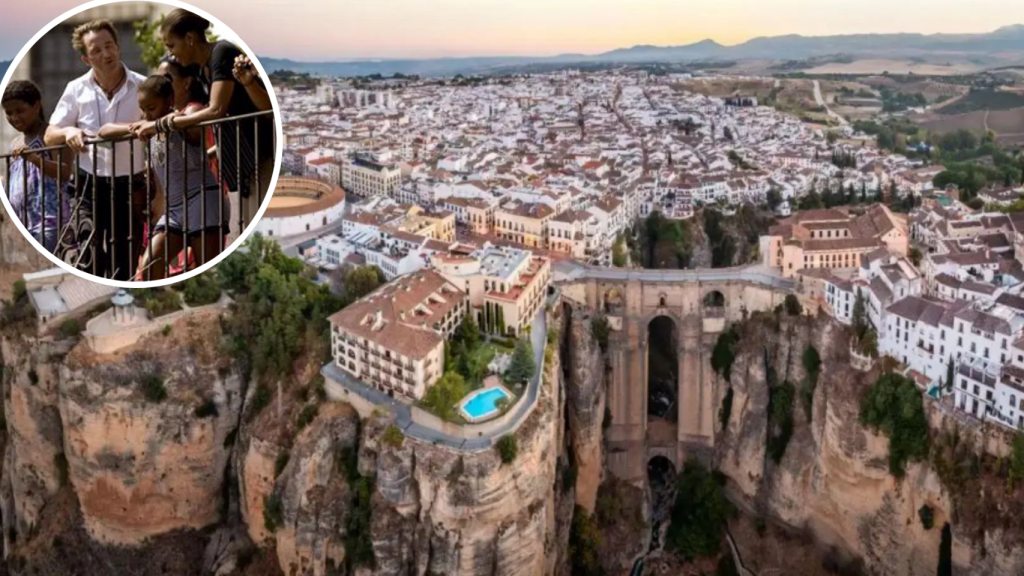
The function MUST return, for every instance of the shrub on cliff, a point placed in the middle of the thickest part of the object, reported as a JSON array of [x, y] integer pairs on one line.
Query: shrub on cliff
[[893, 406], [699, 513], [955, 460], [273, 512], [358, 538], [153, 387], [70, 328], [393, 436], [724, 353], [281, 461], [202, 290], [584, 541], [812, 366], [507, 448]]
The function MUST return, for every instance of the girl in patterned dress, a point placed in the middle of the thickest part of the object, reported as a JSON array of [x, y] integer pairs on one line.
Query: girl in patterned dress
[[39, 200]]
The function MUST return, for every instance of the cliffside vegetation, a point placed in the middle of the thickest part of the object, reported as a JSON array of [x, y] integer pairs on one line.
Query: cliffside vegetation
[[812, 366], [894, 407], [780, 420], [584, 541], [699, 514], [279, 314], [724, 353], [663, 243]]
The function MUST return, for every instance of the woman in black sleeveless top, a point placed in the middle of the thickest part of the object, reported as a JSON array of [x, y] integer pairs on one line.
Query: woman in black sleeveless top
[[246, 152]]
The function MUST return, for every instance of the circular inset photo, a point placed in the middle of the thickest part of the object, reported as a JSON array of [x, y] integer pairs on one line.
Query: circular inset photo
[[140, 142]]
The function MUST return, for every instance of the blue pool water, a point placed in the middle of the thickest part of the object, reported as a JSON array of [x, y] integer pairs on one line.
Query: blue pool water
[[484, 403]]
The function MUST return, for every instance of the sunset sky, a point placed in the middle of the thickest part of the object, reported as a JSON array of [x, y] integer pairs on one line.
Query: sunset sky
[[436, 28]]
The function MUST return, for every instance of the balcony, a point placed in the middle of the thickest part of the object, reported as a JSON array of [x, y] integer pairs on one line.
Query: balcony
[[102, 232]]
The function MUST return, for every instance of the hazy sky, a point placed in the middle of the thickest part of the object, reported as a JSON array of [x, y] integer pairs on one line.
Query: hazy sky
[[318, 30]]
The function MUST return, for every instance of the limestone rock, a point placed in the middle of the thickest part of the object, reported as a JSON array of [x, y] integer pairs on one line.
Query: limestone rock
[[585, 398], [142, 467], [33, 461], [315, 495]]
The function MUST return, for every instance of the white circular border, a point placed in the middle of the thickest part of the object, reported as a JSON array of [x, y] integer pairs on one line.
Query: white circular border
[[259, 213]]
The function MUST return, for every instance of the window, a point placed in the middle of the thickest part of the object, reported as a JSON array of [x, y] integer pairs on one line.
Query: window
[[1013, 401]]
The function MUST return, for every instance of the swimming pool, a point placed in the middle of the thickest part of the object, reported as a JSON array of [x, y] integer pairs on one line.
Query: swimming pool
[[483, 404]]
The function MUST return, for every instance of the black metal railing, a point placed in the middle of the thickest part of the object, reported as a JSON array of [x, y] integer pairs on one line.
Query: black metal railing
[[108, 241]]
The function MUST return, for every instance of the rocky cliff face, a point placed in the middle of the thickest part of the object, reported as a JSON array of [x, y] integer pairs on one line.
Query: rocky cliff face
[[584, 367], [438, 511], [315, 495], [145, 432], [34, 463], [833, 481]]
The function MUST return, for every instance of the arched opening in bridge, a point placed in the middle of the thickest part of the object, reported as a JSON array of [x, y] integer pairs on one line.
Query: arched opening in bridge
[[714, 299], [662, 381]]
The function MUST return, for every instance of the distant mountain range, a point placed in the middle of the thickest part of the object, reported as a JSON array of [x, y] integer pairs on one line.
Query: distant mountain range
[[1006, 40], [4, 65]]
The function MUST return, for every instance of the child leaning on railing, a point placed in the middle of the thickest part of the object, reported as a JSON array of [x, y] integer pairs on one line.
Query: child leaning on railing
[[195, 212], [33, 173]]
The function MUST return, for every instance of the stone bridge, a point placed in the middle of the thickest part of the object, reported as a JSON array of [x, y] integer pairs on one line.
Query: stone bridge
[[699, 303]]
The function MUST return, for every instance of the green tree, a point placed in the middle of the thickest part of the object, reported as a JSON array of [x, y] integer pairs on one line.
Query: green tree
[[442, 397], [869, 343], [468, 332], [773, 198], [584, 541], [949, 374], [699, 514], [893, 406], [147, 38], [724, 353], [619, 252], [202, 289], [522, 367], [361, 281]]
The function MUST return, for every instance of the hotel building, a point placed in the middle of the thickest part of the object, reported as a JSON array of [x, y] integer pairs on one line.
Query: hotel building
[[506, 286], [393, 339]]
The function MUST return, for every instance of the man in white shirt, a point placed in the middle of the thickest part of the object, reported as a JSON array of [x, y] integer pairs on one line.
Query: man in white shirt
[[111, 186]]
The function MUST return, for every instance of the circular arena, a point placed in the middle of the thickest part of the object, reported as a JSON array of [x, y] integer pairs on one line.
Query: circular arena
[[300, 205]]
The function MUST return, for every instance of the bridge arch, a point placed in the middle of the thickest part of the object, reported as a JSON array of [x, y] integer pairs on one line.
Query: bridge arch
[[714, 299]]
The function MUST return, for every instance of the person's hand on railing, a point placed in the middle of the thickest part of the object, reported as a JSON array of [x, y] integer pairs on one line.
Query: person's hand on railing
[[75, 139], [244, 71], [22, 151], [142, 129]]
